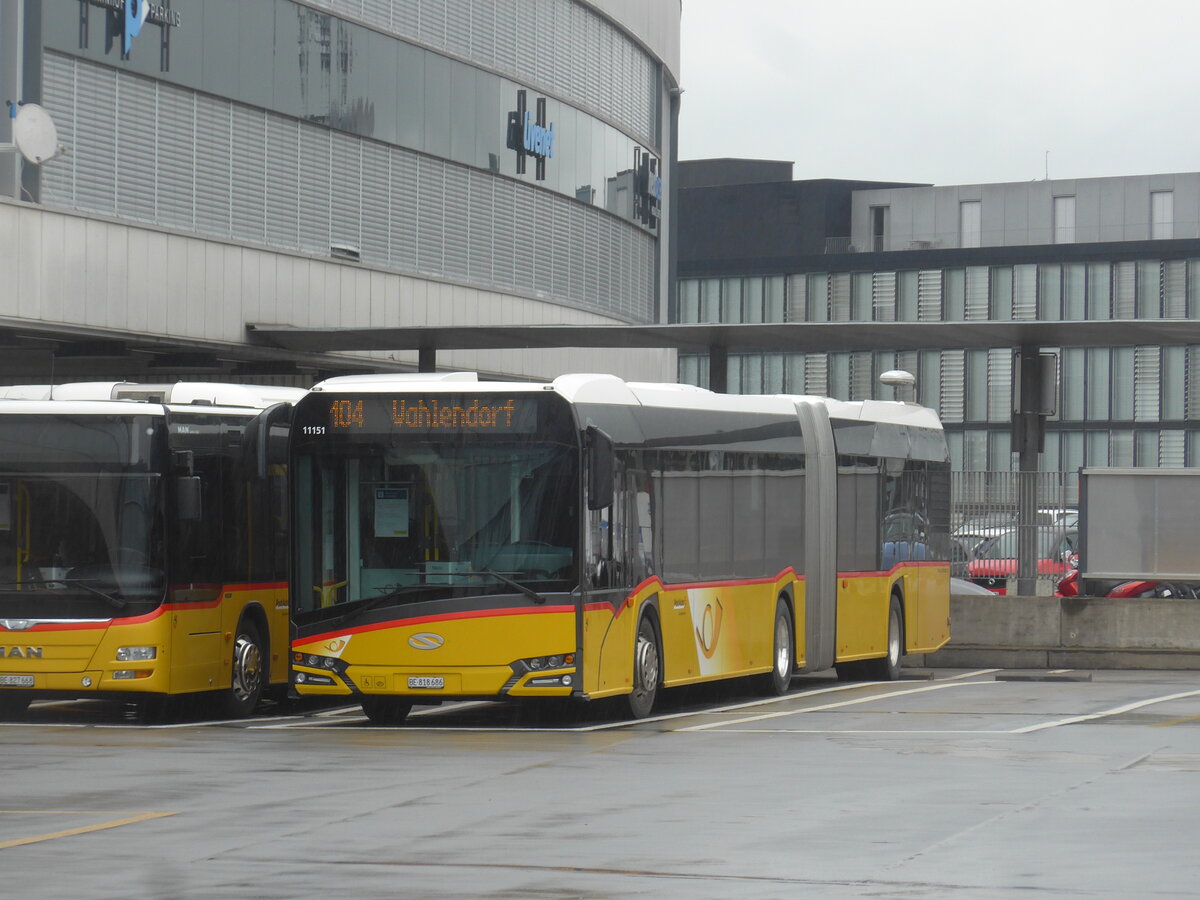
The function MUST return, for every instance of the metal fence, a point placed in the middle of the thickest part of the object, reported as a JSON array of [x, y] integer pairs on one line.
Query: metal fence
[[990, 533]]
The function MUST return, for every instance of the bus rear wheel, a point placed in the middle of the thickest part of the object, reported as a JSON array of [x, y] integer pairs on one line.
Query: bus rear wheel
[[249, 677], [386, 710], [647, 665], [888, 667], [779, 679]]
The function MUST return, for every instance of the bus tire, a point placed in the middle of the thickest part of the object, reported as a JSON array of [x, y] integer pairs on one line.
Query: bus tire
[[647, 670], [779, 679], [249, 675], [13, 705], [887, 668], [387, 711]]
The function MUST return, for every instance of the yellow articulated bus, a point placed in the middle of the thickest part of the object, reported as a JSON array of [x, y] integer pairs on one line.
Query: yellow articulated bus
[[143, 543], [591, 538]]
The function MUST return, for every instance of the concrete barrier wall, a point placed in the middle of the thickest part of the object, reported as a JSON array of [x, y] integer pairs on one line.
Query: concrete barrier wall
[[1069, 632]]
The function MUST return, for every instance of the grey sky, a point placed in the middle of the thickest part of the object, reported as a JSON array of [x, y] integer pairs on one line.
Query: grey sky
[[943, 92]]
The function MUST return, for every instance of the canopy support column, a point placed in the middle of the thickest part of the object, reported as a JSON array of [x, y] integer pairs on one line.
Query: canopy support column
[[427, 359], [718, 369]]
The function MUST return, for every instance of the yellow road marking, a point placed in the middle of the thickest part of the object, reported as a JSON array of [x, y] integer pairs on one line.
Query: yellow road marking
[[99, 826], [1176, 721]]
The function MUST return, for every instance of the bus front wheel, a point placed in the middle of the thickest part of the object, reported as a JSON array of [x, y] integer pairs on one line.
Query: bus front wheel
[[386, 710], [647, 665], [249, 678]]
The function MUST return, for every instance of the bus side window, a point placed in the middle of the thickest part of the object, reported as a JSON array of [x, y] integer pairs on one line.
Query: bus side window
[[607, 537], [640, 504], [200, 543]]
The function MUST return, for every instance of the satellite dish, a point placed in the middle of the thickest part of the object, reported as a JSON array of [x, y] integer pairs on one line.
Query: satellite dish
[[34, 133]]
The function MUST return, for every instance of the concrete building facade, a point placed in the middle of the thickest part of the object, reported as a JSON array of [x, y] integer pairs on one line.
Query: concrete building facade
[[1045, 251], [334, 163]]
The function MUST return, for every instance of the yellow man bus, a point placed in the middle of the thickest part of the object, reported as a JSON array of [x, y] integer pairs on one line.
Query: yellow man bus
[[143, 543], [590, 538]]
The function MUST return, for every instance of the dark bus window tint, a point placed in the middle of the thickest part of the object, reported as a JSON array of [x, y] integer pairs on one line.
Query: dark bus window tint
[[784, 505], [749, 518], [715, 517], [679, 503]]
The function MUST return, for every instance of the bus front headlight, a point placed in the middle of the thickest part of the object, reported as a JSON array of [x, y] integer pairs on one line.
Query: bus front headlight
[[136, 654]]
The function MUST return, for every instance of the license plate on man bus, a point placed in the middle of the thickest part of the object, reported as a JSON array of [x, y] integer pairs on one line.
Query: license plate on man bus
[[16, 681], [434, 682]]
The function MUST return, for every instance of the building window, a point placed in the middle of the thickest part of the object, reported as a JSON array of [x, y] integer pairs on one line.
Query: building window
[[879, 228], [970, 223], [1162, 215], [774, 298], [1064, 220]]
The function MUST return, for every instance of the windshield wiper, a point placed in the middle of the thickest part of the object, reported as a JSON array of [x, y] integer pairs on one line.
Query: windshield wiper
[[504, 579], [112, 600], [363, 604]]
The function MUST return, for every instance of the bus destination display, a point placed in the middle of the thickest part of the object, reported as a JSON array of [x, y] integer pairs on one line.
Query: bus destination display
[[442, 413]]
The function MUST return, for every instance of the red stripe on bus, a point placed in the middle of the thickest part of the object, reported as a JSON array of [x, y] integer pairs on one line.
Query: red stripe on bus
[[907, 564], [93, 626], [656, 582], [152, 615], [442, 617]]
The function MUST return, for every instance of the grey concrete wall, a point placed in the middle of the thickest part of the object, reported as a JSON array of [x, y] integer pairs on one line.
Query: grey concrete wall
[[1069, 632], [118, 279], [1021, 213]]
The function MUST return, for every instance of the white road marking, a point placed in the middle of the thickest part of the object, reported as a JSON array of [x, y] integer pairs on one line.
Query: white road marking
[[667, 717], [854, 731], [874, 697], [971, 674], [1115, 711]]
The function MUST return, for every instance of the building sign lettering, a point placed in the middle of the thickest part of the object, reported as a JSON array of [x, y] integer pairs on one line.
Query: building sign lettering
[[529, 134]]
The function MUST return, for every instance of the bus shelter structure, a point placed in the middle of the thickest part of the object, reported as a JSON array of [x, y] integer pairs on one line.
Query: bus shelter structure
[[1035, 375]]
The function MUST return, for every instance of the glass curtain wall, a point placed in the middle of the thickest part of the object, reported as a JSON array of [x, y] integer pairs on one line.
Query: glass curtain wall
[[1118, 406]]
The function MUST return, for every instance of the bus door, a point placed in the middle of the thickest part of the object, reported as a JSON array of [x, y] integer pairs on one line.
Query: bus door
[[608, 626]]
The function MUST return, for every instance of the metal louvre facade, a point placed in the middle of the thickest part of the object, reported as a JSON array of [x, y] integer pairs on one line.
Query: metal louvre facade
[[249, 175], [556, 44], [338, 164]]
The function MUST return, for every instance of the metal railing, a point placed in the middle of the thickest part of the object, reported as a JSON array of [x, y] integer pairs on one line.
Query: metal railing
[[988, 532]]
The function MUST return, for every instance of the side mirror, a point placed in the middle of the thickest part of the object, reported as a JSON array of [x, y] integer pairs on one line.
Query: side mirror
[[600, 468], [257, 439], [187, 498]]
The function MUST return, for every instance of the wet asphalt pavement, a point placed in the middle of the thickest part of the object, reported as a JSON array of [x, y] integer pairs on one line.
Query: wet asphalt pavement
[[963, 783]]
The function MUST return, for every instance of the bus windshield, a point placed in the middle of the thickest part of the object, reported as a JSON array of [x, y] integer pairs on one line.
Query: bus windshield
[[80, 517], [439, 518]]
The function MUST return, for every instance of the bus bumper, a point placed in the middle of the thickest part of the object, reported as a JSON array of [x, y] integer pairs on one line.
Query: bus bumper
[[88, 681], [434, 685]]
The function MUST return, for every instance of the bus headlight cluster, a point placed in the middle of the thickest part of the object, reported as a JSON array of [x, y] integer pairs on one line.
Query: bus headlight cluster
[[136, 654], [315, 661], [537, 663]]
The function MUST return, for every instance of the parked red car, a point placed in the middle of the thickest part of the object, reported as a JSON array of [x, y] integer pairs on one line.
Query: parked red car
[[1069, 587], [996, 559]]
